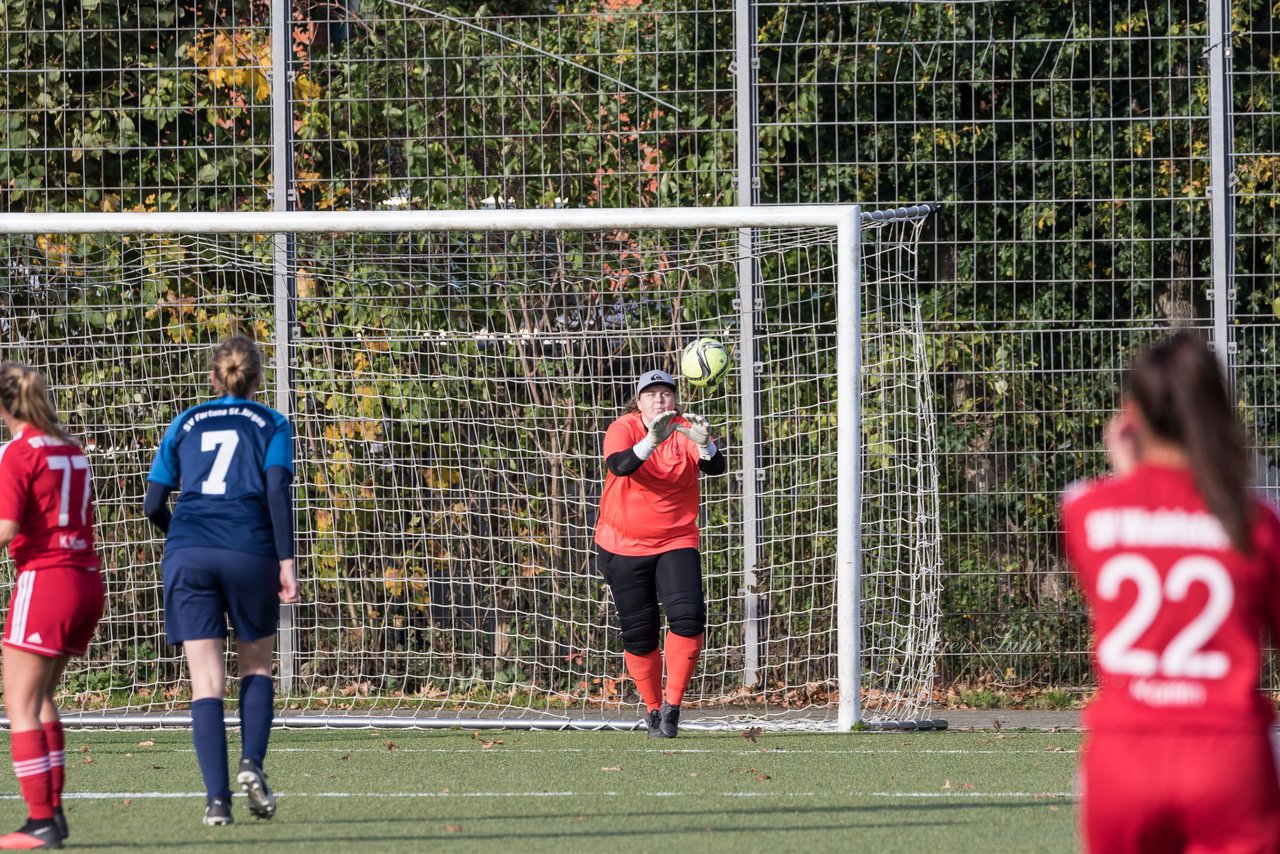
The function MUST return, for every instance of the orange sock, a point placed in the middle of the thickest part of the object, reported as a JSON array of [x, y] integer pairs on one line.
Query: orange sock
[[646, 672], [682, 659]]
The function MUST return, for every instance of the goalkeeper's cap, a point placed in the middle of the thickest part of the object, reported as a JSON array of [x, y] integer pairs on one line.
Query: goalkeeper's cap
[[649, 378]]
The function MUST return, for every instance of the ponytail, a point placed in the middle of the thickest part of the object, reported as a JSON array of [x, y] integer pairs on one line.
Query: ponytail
[[24, 395], [237, 365], [1180, 391]]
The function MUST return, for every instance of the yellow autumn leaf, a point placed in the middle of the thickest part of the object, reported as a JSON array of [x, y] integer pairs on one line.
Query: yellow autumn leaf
[[262, 87], [305, 89]]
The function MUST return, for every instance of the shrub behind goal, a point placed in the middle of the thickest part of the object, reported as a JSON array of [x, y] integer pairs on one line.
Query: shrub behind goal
[[450, 384]]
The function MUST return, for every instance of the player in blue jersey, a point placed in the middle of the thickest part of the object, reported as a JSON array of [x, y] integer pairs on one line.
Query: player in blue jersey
[[228, 554]]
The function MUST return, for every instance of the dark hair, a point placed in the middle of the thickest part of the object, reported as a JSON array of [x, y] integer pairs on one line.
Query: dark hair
[[24, 395], [1179, 388], [237, 364]]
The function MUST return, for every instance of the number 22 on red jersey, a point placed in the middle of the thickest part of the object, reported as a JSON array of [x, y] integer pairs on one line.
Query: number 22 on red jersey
[[1184, 654], [1174, 640]]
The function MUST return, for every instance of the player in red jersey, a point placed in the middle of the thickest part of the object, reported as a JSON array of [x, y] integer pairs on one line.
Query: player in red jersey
[[1181, 571], [647, 540], [46, 519]]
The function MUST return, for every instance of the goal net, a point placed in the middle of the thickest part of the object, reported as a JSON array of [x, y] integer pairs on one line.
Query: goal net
[[449, 389]]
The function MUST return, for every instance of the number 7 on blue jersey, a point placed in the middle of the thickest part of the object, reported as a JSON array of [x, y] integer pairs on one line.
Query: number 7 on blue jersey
[[224, 442]]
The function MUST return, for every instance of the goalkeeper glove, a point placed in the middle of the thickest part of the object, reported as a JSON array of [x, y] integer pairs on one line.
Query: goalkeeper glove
[[661, 428], [699, 433]]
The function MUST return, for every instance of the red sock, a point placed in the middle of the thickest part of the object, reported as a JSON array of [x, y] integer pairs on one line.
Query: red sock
[[31, 766], [646, 671], [57, 745], [682, 659]]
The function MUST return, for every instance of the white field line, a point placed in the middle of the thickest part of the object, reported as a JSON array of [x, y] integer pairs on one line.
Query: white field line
[[113, 796], [765, 750], [970, 794]]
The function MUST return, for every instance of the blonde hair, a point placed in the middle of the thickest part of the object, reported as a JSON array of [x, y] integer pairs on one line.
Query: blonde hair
[[237, 366], [24, 395]]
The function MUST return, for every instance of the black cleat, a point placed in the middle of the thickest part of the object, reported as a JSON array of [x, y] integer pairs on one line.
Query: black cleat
[[60, 822], [669, 723], [36, 833], [218, 812], [655, 722], [261, 802]]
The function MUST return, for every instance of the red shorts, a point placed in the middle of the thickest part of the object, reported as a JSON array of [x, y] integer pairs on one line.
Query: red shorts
[[54, 611], [1192, 792]]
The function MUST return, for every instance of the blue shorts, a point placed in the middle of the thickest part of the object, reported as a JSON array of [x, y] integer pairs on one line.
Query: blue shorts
[[203, 587]]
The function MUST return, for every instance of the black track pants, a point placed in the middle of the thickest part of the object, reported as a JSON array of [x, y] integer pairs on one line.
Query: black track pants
[[638, 584]]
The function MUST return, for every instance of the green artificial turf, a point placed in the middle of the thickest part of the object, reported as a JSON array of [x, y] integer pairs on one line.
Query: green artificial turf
[[369, 791]]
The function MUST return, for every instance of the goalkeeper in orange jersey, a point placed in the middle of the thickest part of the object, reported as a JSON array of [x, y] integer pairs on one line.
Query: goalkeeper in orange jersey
[[1180, 567], [647, 539]]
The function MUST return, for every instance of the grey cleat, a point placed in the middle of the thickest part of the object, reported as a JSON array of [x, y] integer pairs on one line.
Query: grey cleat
[[261, 802], [218, 812], [669, 723]]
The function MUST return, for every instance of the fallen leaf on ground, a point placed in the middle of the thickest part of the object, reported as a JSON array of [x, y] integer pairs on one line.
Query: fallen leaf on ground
[[390, 745], [453, 828], [946, 784], [752, 733], [485, 743], [612, 768], [147, 743]]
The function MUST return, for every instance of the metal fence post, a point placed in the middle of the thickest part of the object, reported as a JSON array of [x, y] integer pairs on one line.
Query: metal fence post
[[748, 294], [283, 251], [1220, 176]]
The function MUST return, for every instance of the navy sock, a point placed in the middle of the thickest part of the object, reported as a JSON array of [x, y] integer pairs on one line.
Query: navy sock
[[208, 729], [257, 710]]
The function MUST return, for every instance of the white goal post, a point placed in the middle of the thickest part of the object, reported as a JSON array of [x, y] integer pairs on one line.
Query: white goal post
[[446, 562]]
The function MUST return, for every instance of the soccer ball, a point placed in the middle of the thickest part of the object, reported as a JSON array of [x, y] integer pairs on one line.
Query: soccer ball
[[704, 362]]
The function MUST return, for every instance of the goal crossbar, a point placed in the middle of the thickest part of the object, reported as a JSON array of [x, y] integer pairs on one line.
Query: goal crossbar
[[566, 219]]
